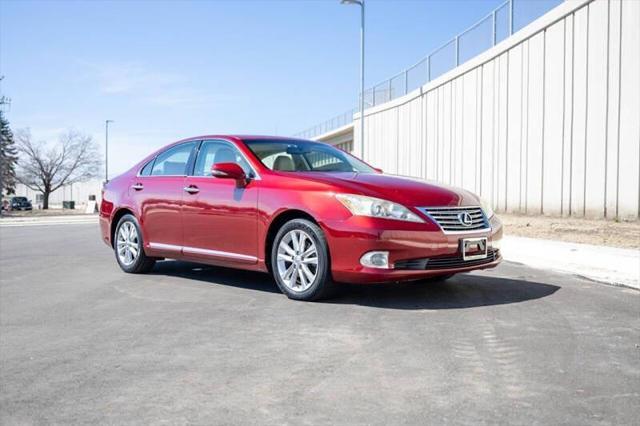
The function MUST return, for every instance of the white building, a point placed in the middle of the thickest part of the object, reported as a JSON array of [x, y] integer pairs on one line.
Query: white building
[[80, 193], [546, 121]]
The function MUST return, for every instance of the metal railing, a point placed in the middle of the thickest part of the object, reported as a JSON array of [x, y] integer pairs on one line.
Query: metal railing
[[499, 24], [328, 125]]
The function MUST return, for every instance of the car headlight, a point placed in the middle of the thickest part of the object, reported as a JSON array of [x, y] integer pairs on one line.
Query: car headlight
[[360, 205], [486, 207]]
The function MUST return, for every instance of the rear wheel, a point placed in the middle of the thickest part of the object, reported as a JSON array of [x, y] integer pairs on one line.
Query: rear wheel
[[128, 247], [300, 261]]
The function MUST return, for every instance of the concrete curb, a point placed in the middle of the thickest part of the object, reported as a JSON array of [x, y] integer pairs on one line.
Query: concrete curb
[[48, 220], [610, 265]]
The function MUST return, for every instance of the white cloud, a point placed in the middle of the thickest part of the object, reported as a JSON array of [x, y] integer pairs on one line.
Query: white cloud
[[153, 87]]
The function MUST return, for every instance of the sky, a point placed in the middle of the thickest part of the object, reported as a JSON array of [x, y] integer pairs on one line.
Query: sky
[[166, 70]]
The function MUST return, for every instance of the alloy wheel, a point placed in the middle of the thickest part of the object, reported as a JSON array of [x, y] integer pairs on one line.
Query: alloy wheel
[[128, 243], [297, 260]]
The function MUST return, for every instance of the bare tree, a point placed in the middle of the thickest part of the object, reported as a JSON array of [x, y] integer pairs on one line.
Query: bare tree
[[45, 168]]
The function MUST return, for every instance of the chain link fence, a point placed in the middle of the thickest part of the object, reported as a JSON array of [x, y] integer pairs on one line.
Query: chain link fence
[[503, 21]]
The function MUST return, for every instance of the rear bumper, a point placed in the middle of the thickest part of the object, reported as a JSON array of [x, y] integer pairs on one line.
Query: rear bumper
[[348, 240]]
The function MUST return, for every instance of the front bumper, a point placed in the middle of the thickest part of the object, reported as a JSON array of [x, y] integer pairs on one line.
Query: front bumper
[[349, 239]]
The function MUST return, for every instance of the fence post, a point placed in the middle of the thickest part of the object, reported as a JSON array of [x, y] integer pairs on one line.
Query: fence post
[[457, 50], [493, 28], [511, 17], [406, 81]]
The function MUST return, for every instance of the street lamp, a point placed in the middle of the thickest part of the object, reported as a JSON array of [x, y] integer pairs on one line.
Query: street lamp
[[106, 149], [361, 4]]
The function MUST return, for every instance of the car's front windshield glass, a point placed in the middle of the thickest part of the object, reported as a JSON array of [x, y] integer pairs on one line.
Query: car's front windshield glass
[[304, 156]]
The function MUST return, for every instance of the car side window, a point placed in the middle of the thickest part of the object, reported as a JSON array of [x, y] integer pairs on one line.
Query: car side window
[[173, 162], [213, 152], [146, 170]]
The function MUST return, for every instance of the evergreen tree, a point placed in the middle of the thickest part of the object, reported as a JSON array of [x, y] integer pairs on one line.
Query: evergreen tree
[[8, 157]]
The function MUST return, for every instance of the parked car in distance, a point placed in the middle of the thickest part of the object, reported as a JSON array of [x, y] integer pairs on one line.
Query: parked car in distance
[[308, 213], [20, 203]]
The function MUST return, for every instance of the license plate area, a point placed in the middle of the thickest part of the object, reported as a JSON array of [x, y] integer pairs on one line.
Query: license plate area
[[474, 248]]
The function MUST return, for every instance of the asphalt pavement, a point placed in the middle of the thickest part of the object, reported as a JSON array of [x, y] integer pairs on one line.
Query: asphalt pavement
[[81, 342]]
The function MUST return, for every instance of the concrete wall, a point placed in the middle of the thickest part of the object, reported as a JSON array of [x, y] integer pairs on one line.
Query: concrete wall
[[548, 121]]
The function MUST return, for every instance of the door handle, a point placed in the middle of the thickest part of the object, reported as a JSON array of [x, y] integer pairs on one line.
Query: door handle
[[191, 189], [137, 186]]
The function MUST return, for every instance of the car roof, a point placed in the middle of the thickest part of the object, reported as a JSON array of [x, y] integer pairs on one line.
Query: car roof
[[241, 137], [233, 137]]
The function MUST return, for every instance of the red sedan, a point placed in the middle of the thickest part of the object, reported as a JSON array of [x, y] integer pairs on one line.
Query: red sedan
[[310, 214]]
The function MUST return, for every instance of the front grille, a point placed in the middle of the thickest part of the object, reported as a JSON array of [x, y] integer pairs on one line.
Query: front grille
[[450, 219], [445, 262]]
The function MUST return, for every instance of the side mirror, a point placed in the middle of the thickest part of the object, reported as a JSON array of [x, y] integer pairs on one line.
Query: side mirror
[[229, 171]]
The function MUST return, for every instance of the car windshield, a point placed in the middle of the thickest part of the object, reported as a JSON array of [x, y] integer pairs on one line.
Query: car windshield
[[19, 199], [304, 156]]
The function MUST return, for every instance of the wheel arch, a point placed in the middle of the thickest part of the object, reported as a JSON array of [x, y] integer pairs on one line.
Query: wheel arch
[[115, 219], [275, 225]]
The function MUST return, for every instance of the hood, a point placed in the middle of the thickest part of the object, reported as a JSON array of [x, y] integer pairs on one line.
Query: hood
[[399, 189]]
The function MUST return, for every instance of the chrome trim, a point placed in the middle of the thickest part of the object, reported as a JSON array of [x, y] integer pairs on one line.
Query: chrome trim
[[233, 144], [191, 189], [465, 219], [168, 247], [463, 243], [159, 176], [425, 211], [206, 252], [218, 253], [219, 173]]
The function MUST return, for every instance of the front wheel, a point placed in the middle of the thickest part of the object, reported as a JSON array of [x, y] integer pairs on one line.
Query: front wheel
[[300, 261], [128, 247]]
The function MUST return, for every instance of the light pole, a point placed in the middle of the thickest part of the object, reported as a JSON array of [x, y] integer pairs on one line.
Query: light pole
[[361, 4], [106, 149]]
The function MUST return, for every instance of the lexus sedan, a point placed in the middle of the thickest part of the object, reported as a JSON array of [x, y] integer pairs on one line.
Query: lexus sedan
[[308, 213]]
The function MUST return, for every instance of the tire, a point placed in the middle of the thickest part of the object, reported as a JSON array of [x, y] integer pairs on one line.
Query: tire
[[125, 244], [312, 279]]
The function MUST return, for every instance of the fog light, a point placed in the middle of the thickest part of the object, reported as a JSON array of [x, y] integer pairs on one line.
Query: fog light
[[375, 259]]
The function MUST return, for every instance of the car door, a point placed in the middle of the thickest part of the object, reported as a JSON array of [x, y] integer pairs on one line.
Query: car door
[[220, 216], [157, 192]]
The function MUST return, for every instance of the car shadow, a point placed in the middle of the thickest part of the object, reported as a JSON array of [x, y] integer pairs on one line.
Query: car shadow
[[459, 292], [216, 275]]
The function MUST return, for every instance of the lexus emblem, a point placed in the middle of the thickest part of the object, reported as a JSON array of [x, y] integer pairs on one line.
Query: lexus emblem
[[465, 219]]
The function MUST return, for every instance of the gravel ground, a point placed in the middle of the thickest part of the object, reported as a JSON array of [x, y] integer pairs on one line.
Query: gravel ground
[[586, 231]]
